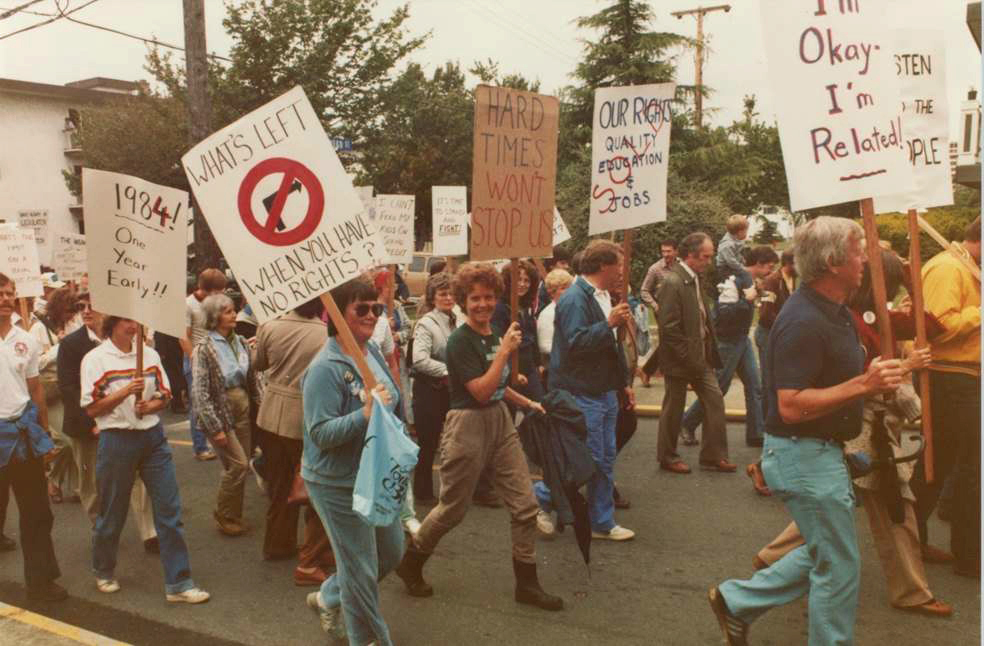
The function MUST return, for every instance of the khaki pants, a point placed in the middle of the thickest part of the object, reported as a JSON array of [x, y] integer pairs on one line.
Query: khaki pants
[[235, 457], [472, 439], [713, 439], [85, 451], [897, 545]]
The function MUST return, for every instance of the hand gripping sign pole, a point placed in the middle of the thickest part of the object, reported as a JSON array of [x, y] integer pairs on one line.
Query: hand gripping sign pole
[[918, 312]]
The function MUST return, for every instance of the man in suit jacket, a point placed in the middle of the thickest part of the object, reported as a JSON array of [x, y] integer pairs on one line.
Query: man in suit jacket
[[688, 355], [82, 429], [587, 362]]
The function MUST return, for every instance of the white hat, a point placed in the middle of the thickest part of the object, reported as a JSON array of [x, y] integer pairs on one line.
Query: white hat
[[49, 279]]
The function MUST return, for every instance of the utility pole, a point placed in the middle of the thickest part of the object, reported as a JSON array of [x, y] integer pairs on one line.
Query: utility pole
[[699, 56], [196, 70]]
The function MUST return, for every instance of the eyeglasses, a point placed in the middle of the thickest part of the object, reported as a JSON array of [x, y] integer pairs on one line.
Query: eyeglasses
[[361, 309], [82, 306]]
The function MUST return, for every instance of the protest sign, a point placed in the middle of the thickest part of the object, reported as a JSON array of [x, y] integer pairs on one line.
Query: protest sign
[[920, 63], [136, 251], [837, 99], [68, 257], [365, 194], [282, 209], [514, 173], [19, 259], [449, 209], [394, 218], [560, 232], [37, 221], [629, 156]]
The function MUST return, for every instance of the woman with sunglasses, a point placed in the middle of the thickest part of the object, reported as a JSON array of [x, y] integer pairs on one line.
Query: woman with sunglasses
[[337, 409], [479, 432]]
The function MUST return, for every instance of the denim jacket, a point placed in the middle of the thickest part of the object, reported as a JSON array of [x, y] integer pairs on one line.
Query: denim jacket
[[12, 447], [334, 422]]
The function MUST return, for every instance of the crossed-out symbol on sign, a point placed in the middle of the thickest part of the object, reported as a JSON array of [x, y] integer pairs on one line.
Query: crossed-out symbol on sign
[[273, 232]]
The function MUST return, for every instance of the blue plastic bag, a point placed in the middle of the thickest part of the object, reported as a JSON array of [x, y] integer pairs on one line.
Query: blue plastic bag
[[385, 469]]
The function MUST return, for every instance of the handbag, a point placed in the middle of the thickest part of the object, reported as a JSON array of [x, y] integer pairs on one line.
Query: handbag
[[298, 491], [385, 468]]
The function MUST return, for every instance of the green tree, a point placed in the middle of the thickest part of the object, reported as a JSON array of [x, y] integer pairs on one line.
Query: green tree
[[768, 234]]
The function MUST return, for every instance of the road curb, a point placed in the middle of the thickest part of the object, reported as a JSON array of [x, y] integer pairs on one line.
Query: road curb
[[653, 410], [55, 627]]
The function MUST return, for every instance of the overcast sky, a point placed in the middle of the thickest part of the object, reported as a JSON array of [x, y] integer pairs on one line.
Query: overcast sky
[[535, 37]]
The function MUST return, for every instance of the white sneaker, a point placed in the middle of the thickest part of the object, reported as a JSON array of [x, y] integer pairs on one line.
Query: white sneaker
[[545, 523], [617, 533], [412, 526], [192, 595], [331, 618], [107, 585]]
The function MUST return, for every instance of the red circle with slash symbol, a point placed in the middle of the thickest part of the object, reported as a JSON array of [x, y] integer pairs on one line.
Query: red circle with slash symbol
[[292, 171]]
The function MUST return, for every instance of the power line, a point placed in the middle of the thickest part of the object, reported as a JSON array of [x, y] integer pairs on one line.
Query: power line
[[545, 36], [9, 12], [61, 15], [543, 47]]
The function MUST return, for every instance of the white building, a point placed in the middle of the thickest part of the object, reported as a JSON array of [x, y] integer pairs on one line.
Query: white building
[[37, 144]]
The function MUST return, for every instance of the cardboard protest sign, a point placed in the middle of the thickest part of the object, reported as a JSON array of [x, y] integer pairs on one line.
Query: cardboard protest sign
[[630, 148], [68, 256], [19, 259], [394, 218], [560, 232], [449, 209], [136, 251], [837, 99], [37, 221], [514, 173], [920, 62], [281, 207]]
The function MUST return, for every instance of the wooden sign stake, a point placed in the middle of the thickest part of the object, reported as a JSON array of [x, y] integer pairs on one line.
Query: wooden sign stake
[[25, 314], [391, 288], [347, 341], [918, 312], [952, 247], [139, 341], [629, 329], [877, 278], [514, 316]]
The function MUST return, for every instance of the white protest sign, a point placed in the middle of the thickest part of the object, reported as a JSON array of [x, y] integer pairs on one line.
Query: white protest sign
[[368, 201], [37, 221], [630, 148], [449, 209], [920, 62], [560, 231], [394, 217], [19, 259], [282, 209], [837, 99], [135, 246], [68, 256]]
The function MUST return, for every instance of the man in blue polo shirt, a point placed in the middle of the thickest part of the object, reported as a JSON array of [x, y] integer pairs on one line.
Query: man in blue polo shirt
[[815, 395], [587, 362]]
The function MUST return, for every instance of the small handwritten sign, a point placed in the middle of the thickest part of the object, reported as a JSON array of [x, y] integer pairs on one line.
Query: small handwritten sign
[[449, 210]]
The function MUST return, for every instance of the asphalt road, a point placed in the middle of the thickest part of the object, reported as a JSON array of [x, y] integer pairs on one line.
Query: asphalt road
[[692, 532]]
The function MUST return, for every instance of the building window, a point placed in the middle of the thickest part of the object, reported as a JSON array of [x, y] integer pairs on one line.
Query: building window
[[968, 131]]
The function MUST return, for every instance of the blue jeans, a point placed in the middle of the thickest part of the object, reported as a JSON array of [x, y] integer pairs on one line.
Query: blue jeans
[[810, 476], [364, 555], [738, 356], [543, 496], [198, 440], [600, 415], [123, 455], [761, 336]]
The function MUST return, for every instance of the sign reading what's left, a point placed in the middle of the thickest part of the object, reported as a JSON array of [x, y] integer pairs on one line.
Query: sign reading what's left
[[19, 259], [277, 199], [136, 235]]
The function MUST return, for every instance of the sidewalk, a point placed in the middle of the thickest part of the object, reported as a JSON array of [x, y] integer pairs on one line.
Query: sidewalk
[[650, 399], [25, 628]]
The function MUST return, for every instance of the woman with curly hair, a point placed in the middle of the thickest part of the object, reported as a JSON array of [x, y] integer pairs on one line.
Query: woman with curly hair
[[530, 365], [479, 431]]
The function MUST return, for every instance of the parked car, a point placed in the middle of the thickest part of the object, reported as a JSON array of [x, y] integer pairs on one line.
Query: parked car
[[418, 271]]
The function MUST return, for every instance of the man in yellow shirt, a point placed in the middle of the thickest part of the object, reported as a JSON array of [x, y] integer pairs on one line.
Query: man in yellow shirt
[[953, 295]]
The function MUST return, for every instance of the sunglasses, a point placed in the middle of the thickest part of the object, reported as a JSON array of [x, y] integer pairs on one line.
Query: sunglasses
[[361, 309], [82, 306]]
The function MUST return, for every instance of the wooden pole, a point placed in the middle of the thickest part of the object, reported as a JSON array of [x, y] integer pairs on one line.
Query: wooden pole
[[918, 312], [877, 279], [514, 315], [347, 341], [25, 314], [629, 329], [952, 247], [391, 289]]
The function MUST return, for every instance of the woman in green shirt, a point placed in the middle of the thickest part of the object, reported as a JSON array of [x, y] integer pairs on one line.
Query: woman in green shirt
[[478, 430]]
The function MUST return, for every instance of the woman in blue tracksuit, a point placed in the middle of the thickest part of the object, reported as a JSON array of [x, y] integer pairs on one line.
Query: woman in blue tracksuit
[[337, 409]]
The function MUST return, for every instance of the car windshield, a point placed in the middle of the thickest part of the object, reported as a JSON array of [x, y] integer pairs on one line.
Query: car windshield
[[418, 263]]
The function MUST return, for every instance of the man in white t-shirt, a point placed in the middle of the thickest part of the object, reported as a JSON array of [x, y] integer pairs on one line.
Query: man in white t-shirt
[[23, 444], [210, 281]]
